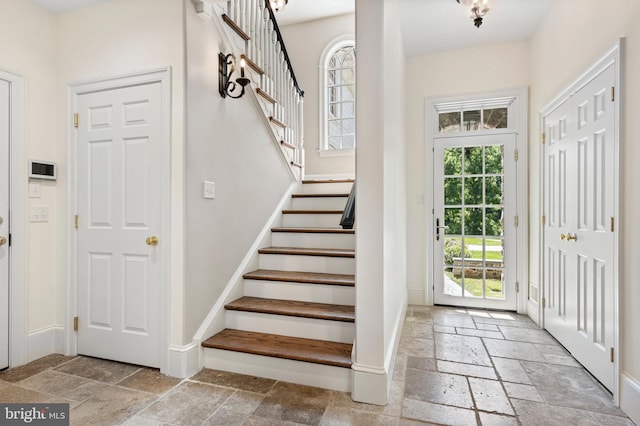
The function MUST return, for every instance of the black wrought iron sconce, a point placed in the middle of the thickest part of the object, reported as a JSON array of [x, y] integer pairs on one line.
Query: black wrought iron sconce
[[226, 86]]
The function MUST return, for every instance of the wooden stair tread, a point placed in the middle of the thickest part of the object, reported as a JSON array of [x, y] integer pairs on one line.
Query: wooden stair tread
[[312, 181], [294, 308], [273, 345], [320, 195], [301, 277], [301, 251], [313, 230], [312, 211]]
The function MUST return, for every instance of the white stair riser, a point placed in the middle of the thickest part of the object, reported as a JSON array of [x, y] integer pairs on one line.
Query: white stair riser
[[290, 262], [318, 203], [319, 293], [311, 220], [326, 188], [303, 373], [311, 240], [307, 328]]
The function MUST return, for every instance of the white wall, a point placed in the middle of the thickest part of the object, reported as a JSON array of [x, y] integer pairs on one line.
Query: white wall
[[573, 36], [27, 49], [460, 72], [380, 204], [229, 144], [305, 43]]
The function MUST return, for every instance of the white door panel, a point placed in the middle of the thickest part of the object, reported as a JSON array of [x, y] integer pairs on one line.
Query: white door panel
[[579, 239], [119, 205], [475, 210], [4, 224]]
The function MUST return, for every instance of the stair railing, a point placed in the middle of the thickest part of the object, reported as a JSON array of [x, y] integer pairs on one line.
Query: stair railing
[[267, 55]]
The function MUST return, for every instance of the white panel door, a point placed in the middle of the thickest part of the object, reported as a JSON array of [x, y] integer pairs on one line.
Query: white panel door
[[4, 224], [579, 239], [119, 208], [474, 221]]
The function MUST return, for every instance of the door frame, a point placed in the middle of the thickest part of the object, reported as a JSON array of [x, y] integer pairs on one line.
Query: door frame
[[613, 56], [17, 178], [161, 76], [519, 114]]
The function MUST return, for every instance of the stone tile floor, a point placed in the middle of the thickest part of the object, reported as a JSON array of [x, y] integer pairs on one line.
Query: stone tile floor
[[454, 367]]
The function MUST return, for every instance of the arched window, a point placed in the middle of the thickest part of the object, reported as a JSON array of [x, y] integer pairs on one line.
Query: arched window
[[338, 100]]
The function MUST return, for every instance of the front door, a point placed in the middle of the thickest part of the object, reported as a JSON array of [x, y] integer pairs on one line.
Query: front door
[[4, 223], [580, 194], [119, 205], [475, 221]]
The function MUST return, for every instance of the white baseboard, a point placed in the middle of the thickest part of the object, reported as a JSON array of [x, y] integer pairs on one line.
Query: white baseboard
[[184, 361], [630, 397], [45, 341], [417, 296], [372, 385]]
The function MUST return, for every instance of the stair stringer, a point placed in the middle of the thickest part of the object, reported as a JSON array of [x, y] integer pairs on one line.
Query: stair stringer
[[305, 373], [216, 319], [232, 43]]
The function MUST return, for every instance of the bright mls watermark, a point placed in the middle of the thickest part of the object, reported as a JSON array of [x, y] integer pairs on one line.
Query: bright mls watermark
[[34, 414]]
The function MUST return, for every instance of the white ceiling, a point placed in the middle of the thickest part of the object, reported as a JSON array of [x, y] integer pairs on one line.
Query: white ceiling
[[427, 25], [59, 6]]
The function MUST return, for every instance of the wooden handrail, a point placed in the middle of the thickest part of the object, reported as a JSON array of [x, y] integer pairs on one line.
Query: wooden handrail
[[272, 16]]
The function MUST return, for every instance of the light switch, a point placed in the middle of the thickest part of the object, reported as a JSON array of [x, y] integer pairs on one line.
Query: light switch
[[209, 190], [35, 190], [39, 213]]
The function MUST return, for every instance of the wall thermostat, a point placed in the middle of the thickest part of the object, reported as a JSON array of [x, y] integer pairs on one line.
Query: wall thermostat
[[42, 170]]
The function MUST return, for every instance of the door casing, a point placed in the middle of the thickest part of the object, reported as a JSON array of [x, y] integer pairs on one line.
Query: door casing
[[17, 305], [519, 125], [163, 77]]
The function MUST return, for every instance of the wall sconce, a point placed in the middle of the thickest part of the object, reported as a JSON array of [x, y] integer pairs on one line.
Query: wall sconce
[[226, 66]]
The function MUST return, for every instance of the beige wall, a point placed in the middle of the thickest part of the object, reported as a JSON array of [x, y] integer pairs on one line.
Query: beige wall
[[461, 72], [573, 36], [28, 49], [305, 43]]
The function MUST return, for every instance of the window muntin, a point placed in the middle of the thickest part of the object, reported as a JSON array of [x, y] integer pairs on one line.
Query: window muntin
[[340, 100], [472, 119]]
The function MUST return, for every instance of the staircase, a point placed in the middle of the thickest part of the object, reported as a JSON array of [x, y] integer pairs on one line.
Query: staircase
[[295, 321]]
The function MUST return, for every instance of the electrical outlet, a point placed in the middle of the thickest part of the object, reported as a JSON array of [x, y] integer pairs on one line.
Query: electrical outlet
[[208, 190]]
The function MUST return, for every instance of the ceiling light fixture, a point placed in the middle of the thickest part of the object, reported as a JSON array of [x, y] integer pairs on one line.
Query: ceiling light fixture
[[477, 8], [278, 5]]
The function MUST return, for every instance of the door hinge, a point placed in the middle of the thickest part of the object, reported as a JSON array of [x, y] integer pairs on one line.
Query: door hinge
[[75, 221], [9, 240], [611, 355], [544, 138], [516, 221], [613, 93], [544, 303], [75, 120], [544, 220], [517, 287], [612, 224], [515, 155], [75, 323]]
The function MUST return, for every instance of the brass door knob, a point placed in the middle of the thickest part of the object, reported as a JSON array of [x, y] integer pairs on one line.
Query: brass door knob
[[573, 237], [563, 237], [152, 241], [3, 241]]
